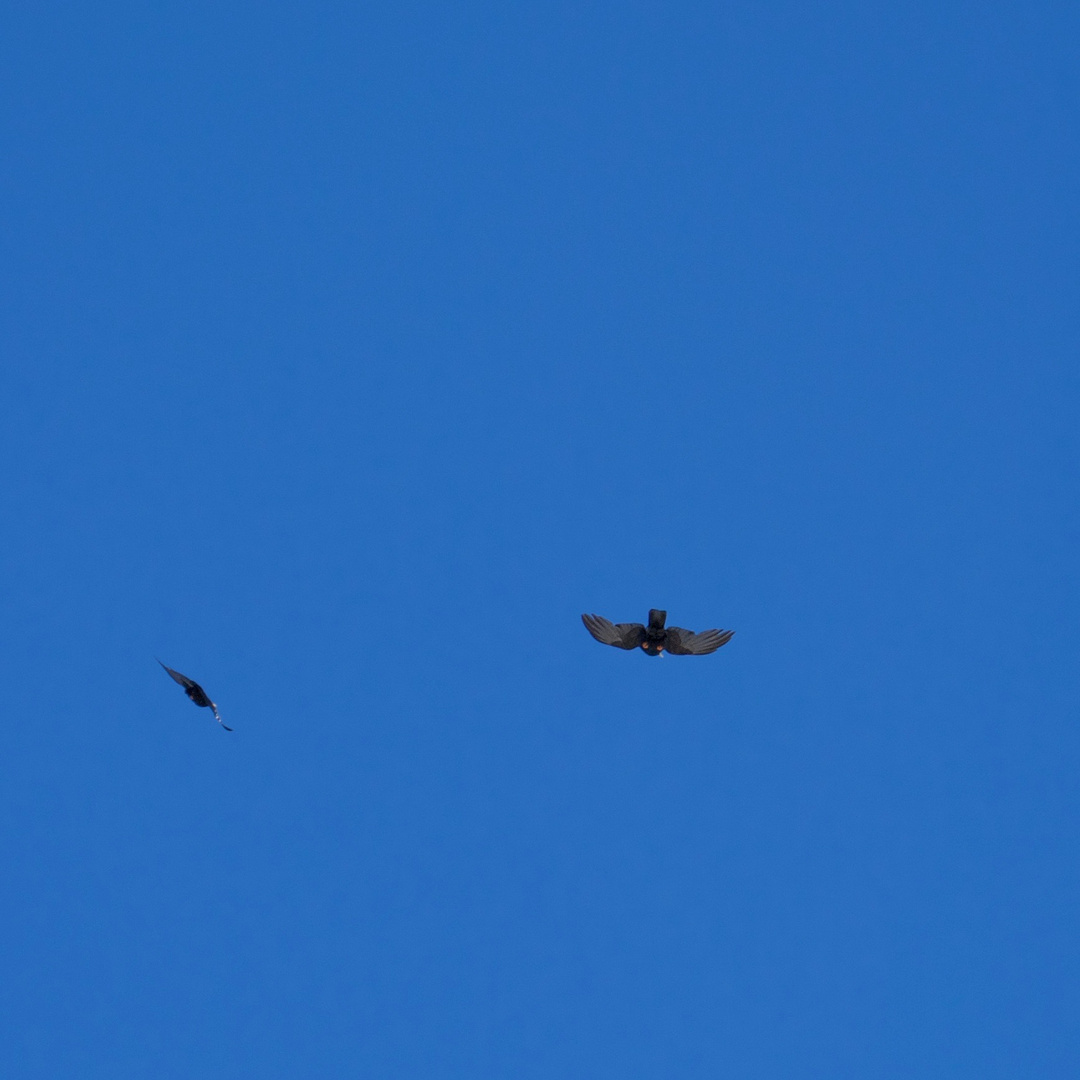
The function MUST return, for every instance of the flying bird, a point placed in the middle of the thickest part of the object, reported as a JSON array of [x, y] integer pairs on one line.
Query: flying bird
[[196, 693], [654, 638]]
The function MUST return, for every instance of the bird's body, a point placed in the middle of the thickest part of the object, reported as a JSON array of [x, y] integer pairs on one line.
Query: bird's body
[[655, 638], [196, 693]]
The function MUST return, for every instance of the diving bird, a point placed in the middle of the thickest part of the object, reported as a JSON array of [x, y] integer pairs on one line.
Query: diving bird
[[654, 638], [196, 693]]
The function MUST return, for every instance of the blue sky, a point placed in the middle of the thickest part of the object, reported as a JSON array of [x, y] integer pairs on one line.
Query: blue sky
[[351, 353]]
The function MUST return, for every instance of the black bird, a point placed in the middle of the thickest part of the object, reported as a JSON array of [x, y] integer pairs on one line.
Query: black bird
[[196, 693], [654, 639]]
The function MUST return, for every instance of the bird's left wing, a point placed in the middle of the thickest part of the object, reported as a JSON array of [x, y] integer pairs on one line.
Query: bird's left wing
[[183, 680], [623, 635], [687, 643]]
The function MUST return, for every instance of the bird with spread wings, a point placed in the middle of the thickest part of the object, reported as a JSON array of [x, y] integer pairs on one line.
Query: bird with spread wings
[[655, 638], [196, 693]]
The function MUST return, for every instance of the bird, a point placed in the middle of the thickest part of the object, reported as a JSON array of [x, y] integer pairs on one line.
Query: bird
[[654, 638], [196, 693]]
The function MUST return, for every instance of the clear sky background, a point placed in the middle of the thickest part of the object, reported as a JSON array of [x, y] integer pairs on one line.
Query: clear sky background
[[350, 352]]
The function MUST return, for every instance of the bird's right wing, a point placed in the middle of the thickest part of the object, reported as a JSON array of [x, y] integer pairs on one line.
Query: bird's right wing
[[217, 717], [687, 643], [624, 635]]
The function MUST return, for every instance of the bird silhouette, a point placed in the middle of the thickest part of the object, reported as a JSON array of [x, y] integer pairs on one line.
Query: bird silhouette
[[655, 638], [196, 693]]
